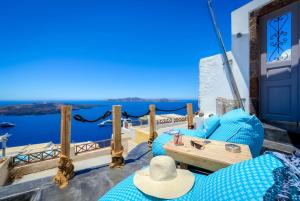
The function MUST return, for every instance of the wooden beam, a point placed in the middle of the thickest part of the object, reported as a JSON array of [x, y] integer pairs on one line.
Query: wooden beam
[[152, 125], [117, 128], [190, 115], [65, 167], [116, 145], [65, 130]]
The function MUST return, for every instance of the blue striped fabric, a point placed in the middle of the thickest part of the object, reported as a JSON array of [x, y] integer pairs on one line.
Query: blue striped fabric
[[248, 180]]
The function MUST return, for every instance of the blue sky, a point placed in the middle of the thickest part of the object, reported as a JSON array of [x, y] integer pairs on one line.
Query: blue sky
[[92, 49]]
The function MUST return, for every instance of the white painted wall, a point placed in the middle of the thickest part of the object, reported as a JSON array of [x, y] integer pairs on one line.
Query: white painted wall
[[4, 169], [213, 83], [213, 80]]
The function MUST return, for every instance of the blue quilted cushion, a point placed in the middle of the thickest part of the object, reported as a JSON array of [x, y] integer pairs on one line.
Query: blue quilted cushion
[[126, 190], [210, 125], [159, 142], [237, 115], [248, 180], [239, 127]]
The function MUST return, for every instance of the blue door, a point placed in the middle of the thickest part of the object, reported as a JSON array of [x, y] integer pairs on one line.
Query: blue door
[[279, 80]]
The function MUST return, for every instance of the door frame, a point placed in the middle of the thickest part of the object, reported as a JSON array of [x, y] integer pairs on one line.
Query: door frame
[[255, 65]]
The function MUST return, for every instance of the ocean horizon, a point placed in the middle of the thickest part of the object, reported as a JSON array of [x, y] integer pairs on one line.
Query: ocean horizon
[[34, 129]]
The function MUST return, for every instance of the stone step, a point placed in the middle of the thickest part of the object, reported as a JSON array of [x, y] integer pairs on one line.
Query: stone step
[[276, 146], [276, 134], [281, 137]]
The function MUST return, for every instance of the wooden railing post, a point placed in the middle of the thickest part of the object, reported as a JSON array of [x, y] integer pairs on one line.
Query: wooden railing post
[[116, 145], [190, 116], [65, 167], [152, 125], [65, 130]]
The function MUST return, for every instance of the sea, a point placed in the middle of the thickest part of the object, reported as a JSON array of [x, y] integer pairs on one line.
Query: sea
[[34, 129]]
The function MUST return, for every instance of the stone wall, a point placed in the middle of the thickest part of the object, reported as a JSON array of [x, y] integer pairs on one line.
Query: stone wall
[[224, 105]]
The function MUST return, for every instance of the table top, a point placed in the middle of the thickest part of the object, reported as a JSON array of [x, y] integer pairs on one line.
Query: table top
[[212, 157]]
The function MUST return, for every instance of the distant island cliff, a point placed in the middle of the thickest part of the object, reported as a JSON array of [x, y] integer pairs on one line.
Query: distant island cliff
[[39, 108], [136, 99]]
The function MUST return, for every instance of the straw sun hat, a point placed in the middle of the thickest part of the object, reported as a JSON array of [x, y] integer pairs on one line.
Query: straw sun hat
[[163, 180]]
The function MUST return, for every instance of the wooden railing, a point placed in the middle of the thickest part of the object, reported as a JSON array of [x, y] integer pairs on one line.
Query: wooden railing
[[90, 146], [24, 159]]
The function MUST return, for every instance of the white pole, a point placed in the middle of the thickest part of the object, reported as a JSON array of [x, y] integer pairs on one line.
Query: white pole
[[4, 148]]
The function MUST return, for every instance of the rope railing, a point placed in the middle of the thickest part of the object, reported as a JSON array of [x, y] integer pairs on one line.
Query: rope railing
[[80, 118], [126, 115]]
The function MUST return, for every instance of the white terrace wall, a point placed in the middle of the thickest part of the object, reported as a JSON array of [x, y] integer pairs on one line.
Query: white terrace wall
[[213, 79], [4, 169], [50, 164]]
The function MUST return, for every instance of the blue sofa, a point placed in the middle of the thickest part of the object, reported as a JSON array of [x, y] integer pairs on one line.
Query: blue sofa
[[236, 126], [248, 180]]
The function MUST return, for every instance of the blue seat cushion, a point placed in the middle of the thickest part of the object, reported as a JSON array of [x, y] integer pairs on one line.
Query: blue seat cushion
[[159, 142], [210, 125], [239, 127], [126, 190], [205, 130], [248, 180], [237, 115]]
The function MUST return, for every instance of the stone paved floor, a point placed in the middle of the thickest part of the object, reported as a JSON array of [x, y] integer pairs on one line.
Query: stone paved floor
[[79, 165], [88, 184]]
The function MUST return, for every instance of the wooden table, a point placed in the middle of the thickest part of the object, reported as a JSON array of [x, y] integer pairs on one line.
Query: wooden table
[[213, 157]]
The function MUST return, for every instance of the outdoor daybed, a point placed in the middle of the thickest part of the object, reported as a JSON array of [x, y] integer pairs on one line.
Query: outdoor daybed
[[272, 176], [235, 126]]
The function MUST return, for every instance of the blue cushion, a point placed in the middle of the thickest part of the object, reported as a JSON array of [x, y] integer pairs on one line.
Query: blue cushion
[[126, 190], [159, 142], [200, 133], [252, 134], [239, 127], [248, 180], [237, 115], [210, 125]]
